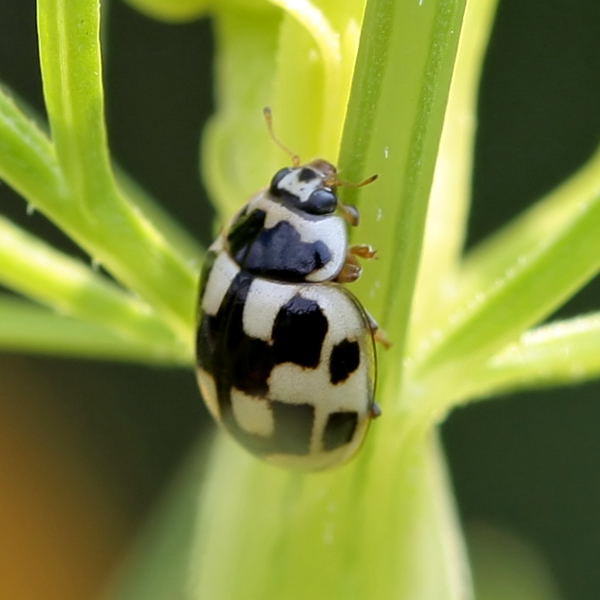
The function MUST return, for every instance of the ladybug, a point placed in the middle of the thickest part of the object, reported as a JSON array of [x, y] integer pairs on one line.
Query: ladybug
[[285, 353]]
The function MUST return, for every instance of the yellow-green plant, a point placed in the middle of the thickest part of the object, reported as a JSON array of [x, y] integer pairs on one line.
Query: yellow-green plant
[[377, 86]]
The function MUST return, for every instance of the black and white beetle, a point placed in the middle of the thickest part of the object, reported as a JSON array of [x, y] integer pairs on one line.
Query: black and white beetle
[[285, 354]]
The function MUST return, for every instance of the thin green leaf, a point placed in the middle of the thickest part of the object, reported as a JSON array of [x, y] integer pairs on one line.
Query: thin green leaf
[[28, 164], [497, 254], [99, 217], [25, 327], [174, 234], [27, 159], [393, 127], [37, 270], [555, 354], [72, 77], [560, 353], [540, 267]]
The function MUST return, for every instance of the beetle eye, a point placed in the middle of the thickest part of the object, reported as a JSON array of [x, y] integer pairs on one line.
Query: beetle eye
[[322, 201], [274, 187]]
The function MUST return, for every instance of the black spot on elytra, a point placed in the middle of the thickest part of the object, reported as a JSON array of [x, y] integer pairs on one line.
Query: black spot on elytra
[[339, 429], [293, 427], [244, 231], [206, 331], [239, 361], [279, 253], [252, 365], [344, 360], [207, 266], [298, 332], [230, 336], [307, 174], [206, 342]]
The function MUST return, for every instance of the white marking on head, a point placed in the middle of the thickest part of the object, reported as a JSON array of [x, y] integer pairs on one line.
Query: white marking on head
[[292, 184]]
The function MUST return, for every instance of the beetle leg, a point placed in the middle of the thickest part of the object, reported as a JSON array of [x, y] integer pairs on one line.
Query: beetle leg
[[350, 271], [363, 250], [350, 214], [379, 335], [375, 411]]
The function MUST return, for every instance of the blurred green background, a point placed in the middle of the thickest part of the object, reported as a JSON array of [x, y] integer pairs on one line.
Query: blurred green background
[[87, 449]]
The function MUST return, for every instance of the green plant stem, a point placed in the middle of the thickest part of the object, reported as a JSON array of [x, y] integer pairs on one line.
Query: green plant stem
[[98, 216], [25, 327], [450, 192], [35, 269], [32, 267], [310, 523], [316, 129], [397, 134], [299, 524]]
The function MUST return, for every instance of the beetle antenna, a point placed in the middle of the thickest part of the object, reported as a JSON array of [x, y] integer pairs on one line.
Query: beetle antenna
[[269, 121], [349, 184]]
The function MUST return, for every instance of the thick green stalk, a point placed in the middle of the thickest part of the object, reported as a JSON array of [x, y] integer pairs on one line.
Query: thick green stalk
[[394, 125], [451, 191], [386, 532], [327, 525]]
